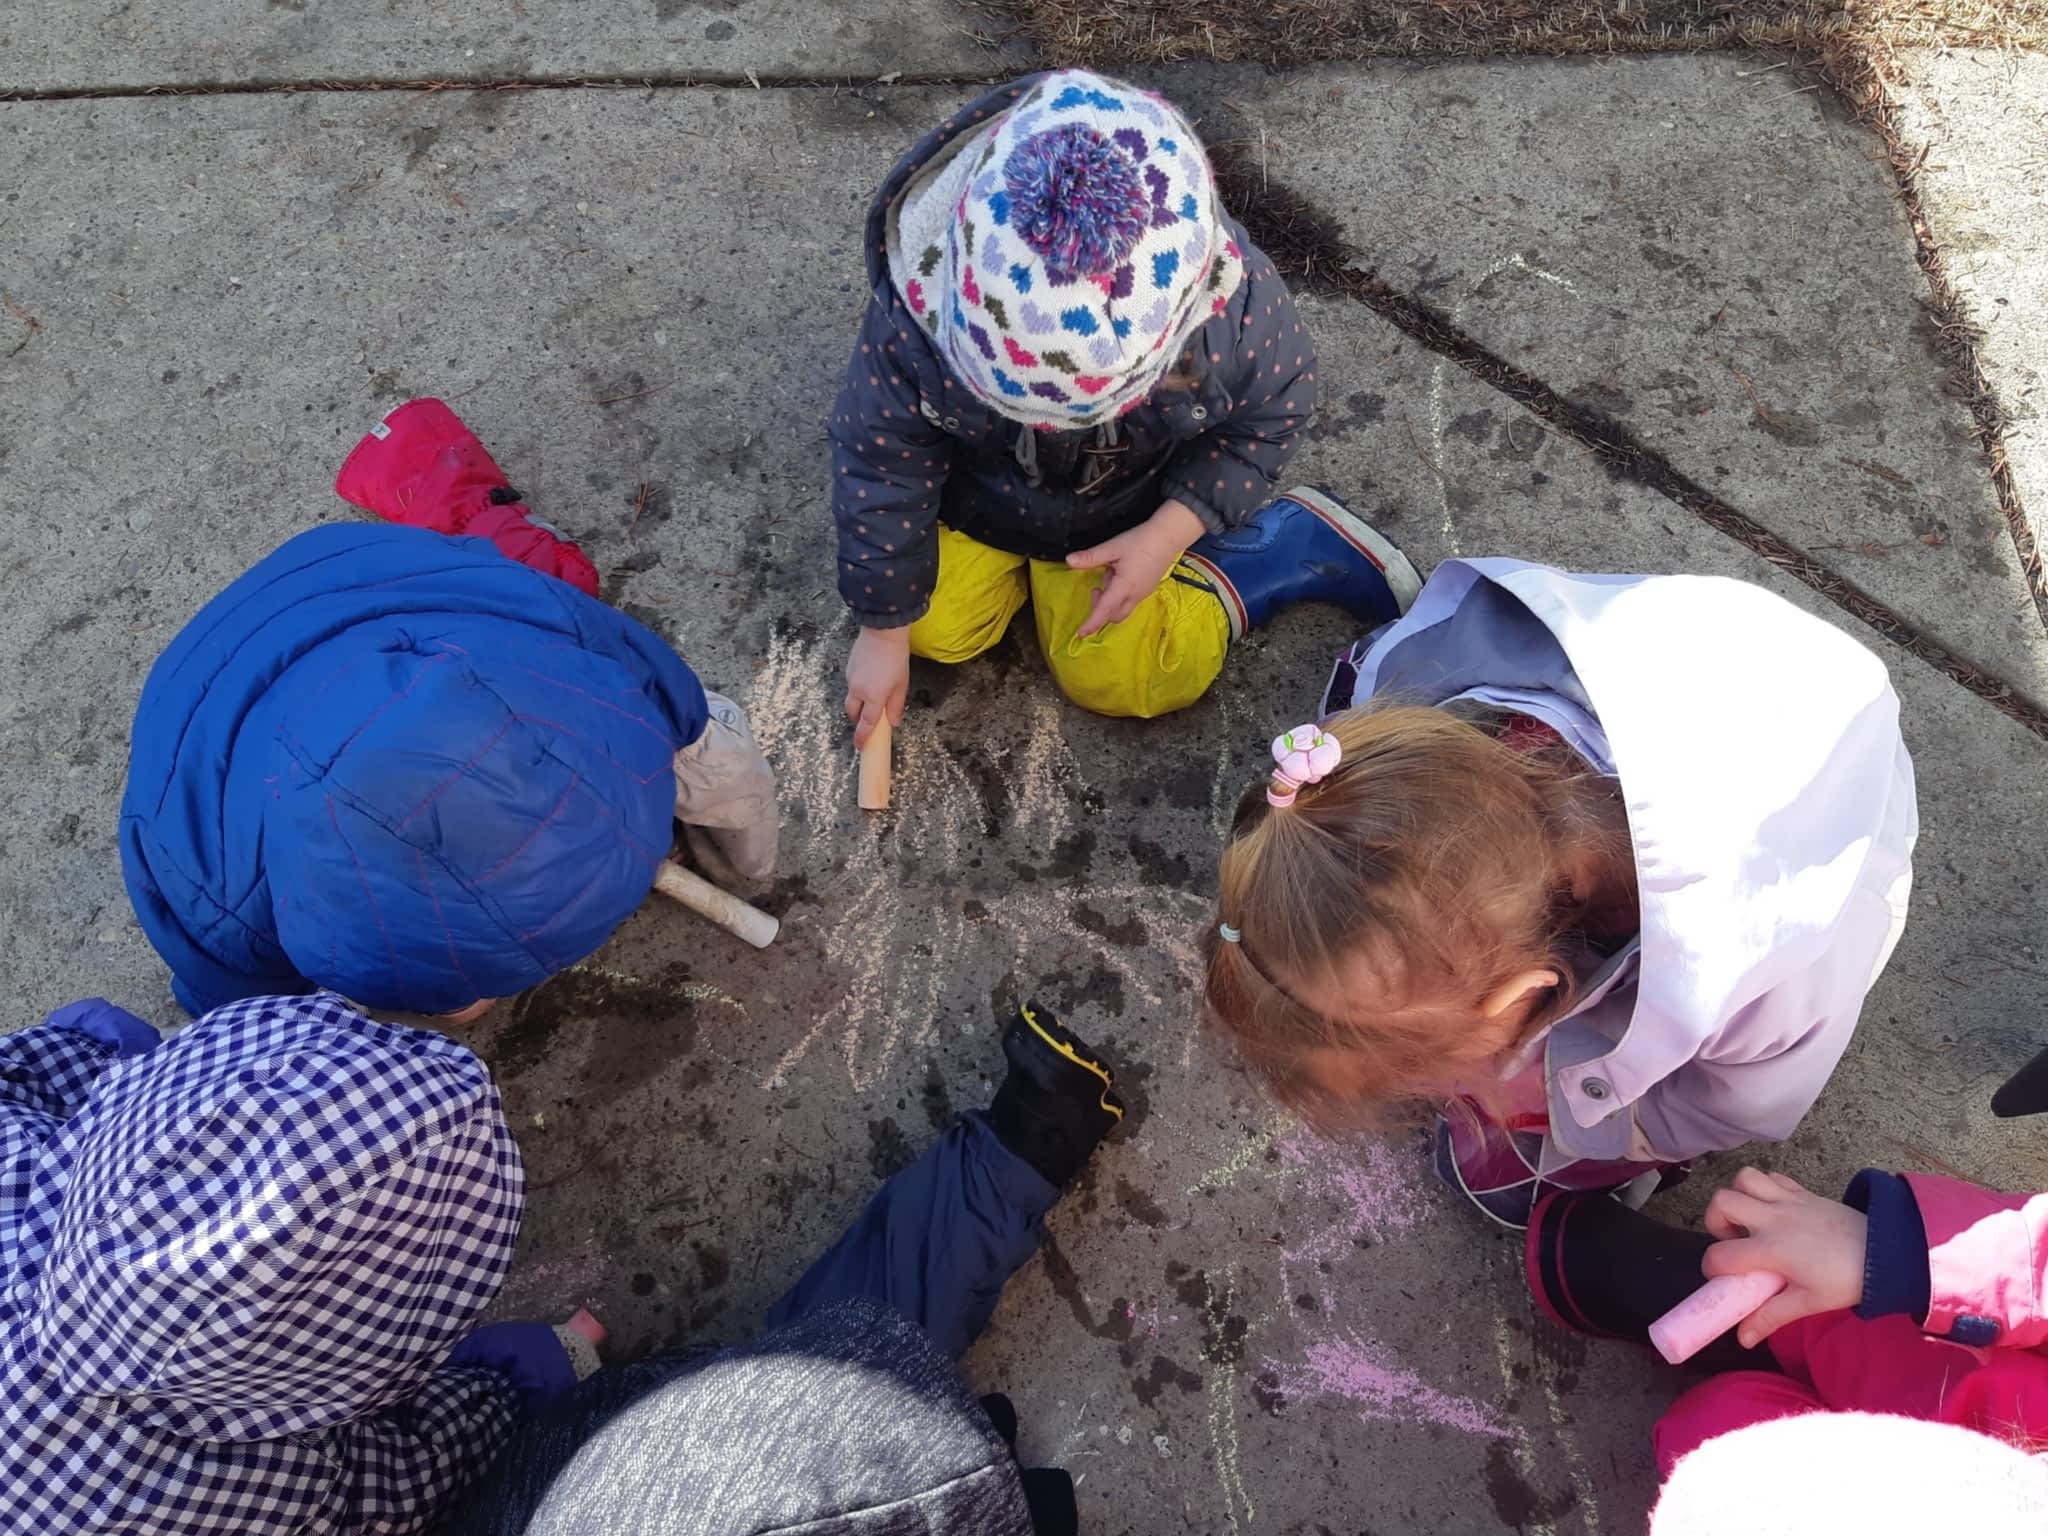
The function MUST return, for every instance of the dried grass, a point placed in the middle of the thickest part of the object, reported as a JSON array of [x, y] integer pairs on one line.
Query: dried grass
[[1867, 78], [1112, 34]]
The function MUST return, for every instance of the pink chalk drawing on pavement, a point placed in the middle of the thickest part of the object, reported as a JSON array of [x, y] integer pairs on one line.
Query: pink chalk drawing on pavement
[[1375, 1191], [1380, 1192], [1365, 1375]]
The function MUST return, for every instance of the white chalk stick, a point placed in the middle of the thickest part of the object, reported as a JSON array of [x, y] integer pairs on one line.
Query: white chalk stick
[[1711, 1311], [875, 768], [722, 907]]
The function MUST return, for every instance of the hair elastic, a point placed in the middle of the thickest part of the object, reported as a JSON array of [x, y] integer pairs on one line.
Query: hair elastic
[[1228, 934], [1304, 755]]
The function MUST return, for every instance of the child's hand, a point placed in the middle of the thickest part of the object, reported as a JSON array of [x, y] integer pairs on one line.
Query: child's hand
[[877, 678], [1767, 1221], [1138, 562]]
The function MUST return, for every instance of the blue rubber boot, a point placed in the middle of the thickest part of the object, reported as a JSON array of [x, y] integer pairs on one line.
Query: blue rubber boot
[[1304, 547]]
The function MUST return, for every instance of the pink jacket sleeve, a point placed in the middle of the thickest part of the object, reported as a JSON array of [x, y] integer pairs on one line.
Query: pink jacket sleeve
[[1987, 1261]]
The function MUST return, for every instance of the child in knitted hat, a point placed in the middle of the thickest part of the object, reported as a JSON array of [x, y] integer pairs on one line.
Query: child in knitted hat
[[1077, 384]]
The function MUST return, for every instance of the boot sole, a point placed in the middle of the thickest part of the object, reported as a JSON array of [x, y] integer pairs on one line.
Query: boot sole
[[1399, 571], [1029, 1014]]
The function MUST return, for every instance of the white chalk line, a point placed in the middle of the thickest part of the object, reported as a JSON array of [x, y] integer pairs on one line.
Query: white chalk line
[[1446, 525], [683, 991], [1254, 1147], [900, 947], [1222, 1392], [1516, 262], [1524, 1453], [1521, 264]]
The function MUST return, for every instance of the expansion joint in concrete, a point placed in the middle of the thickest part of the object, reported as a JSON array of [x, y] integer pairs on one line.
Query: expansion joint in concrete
[[1309, 246], [704, 82]]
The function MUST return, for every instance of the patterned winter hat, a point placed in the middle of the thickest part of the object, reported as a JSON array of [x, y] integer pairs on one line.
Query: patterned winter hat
[[1087, 245]]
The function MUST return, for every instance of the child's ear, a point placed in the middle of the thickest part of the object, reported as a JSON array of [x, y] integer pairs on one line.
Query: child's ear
[[1519, 996]]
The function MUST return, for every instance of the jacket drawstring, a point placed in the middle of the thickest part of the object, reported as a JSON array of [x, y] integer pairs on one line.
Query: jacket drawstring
[[1107, 435], [1027, 455]]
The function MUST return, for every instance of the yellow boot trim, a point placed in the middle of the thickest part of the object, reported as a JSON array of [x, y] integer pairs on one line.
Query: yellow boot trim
[[1075, 1057]]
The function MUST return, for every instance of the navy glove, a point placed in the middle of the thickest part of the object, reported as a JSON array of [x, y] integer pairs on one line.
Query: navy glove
[[115, 1028], [527, 1354]]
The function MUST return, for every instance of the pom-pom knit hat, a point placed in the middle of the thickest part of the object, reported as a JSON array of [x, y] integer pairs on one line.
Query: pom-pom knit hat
[[1085, 247]]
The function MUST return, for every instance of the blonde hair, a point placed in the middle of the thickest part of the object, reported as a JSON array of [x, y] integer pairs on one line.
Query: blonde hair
[[1444, 860]]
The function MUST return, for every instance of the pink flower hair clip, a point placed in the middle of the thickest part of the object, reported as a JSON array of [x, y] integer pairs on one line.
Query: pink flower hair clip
[[1304, 755]]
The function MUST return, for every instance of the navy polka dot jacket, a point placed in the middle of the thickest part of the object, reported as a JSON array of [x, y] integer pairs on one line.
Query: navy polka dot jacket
[[912, 447]]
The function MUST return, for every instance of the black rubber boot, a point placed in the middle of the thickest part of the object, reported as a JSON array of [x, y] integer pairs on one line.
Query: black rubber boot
[[1600, 1268], [1057, 1101], [2025, 1092]]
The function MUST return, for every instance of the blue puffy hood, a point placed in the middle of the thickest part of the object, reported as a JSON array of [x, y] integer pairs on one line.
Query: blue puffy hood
[[402, 767]]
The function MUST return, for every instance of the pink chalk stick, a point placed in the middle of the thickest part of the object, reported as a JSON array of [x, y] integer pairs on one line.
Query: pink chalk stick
[[1711, 1311], [586, 1325]]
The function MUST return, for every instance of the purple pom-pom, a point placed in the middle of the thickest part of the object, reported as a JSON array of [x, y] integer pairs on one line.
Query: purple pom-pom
[[1076, 199]]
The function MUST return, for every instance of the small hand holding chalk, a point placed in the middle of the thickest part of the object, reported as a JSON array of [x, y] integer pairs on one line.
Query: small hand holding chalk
[[581, 1337], [877, 680], [1765, 1221]]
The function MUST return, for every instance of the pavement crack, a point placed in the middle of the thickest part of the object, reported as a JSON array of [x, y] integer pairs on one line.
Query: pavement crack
[[1309, 247], [744, 80]]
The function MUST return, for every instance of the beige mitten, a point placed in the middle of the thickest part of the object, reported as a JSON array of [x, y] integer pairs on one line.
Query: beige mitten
[[725, 796]]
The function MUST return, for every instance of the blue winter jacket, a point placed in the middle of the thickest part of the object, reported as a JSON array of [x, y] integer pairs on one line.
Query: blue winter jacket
[[402, 767]]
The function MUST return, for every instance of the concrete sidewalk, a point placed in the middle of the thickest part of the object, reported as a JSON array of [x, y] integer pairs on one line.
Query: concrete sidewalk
[[1702, 248], [1978, 120], [1237, 1328], [195, 44]]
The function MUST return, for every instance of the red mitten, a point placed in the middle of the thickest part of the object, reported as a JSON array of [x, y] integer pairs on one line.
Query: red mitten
[[422, 467], [519, 536]]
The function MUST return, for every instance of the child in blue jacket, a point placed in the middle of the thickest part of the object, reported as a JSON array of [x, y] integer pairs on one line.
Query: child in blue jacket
[[405, 768]]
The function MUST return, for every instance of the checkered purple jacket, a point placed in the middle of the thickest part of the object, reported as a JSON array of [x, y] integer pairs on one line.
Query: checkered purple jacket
[[232, 1266]]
